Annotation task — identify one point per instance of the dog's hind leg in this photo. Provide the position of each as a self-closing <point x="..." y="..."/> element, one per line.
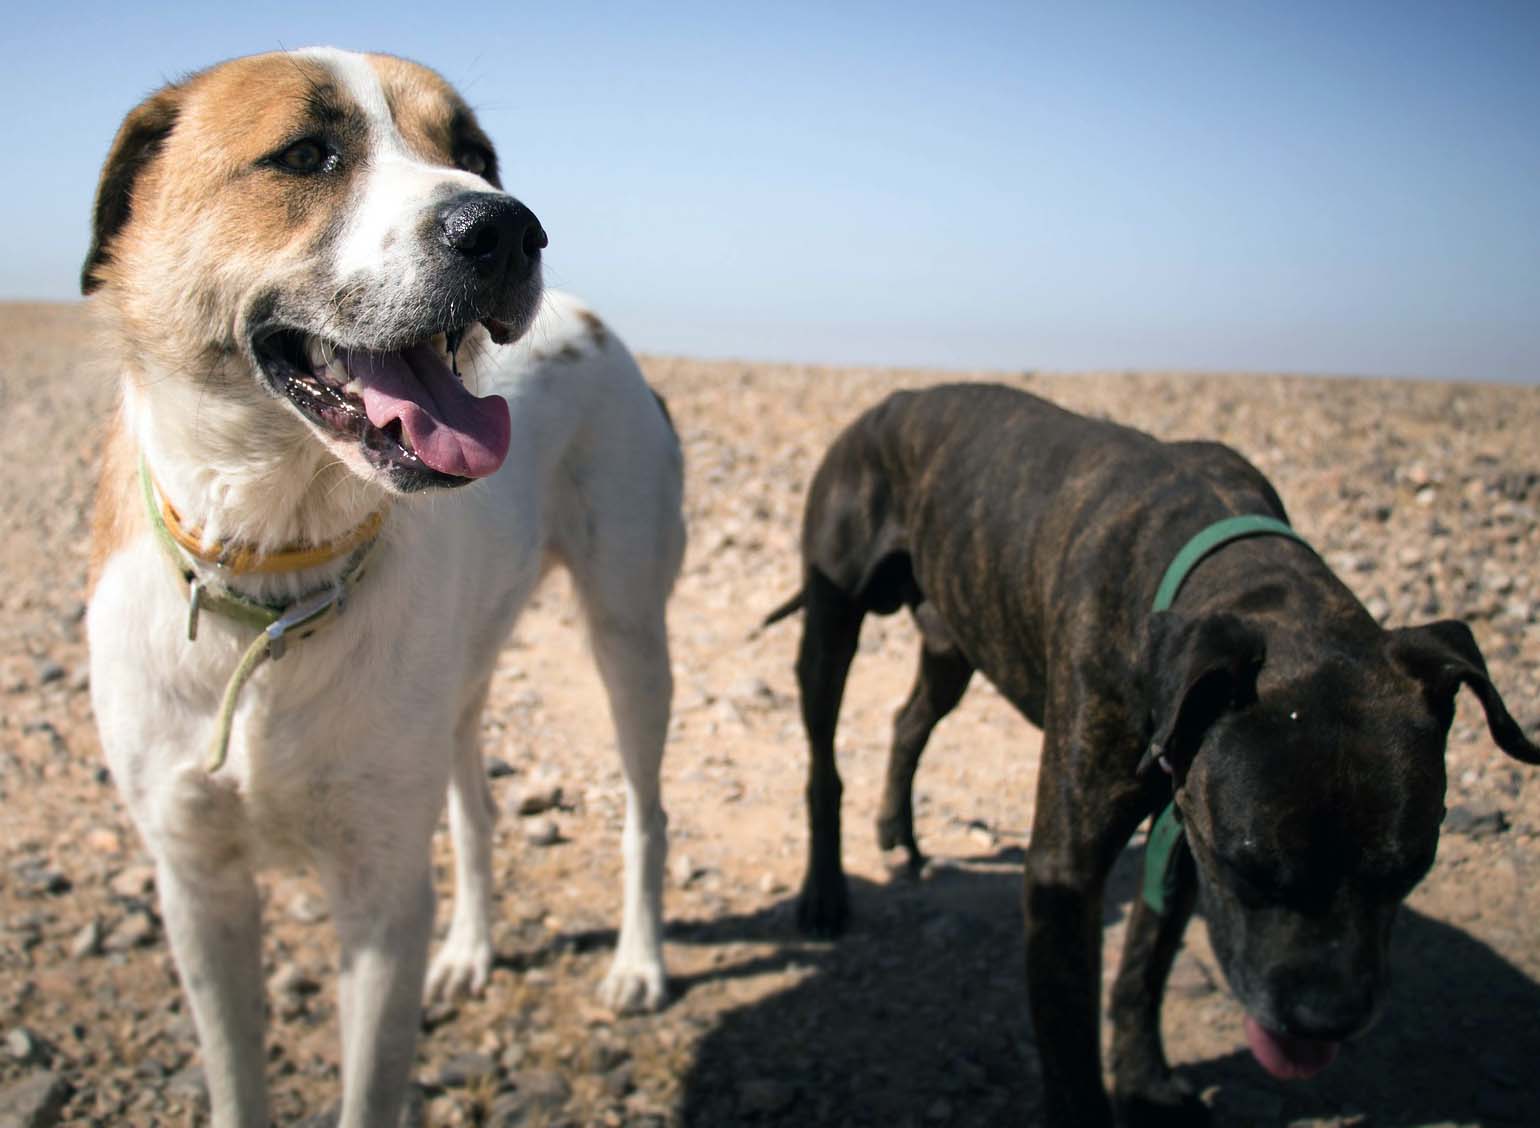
<point x="938" y="687"/>
<point x="464" y="962"/>
<point x="631" y="650"/>
<point x="831" y="627"/>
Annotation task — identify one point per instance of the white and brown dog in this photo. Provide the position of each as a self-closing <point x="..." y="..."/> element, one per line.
<point x="293" y="624"/>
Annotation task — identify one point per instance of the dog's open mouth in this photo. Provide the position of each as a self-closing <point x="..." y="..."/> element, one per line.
<point x="406" y="407"/>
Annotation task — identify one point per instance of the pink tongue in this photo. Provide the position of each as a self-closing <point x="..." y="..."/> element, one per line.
<point x="452" y="431"/>
<point x="1289" y="1059"/>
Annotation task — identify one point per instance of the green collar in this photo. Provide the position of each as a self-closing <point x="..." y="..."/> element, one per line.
<point x="1161" y="853"/>
<point x="277" y="624"/>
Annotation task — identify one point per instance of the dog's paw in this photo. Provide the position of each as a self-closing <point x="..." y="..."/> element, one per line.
<point x="823" y="909"/>
<point x="631" y="988"/>
<point x="461" y="968"/>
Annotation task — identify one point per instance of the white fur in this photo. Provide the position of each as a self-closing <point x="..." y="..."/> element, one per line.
<point x="344" y="748"/>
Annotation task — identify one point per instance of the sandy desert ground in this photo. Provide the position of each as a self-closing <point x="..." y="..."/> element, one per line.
<point x="1423" y="495"/>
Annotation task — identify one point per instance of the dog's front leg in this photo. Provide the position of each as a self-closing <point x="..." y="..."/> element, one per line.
<point x="383" y="907"/>
<point x="212" y="916"/>
<point x="1144" y="1089"/>
<point x="1082" y="820"/>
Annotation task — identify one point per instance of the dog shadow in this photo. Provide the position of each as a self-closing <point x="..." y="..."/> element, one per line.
<point x="917" y="1016"/>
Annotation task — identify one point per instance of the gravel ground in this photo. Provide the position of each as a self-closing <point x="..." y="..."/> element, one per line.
<point x="1422" y="495"/>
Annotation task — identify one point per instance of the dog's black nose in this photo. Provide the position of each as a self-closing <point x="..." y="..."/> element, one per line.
<point x="497" y="234"/>
<point x="1328" y="1012"/>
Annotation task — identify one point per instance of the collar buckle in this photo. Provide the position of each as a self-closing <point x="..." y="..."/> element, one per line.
<point x="301" y="614"/>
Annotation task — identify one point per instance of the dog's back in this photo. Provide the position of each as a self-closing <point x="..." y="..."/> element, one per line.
<point x="986" y="501"/>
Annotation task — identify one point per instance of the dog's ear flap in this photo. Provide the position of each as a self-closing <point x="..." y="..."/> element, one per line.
<point x="1196" y="669"/>
<point x="139" y="139"/>
<point x="1443" y="656"/>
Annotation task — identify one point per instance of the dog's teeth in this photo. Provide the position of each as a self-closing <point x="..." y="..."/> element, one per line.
<point x="316" y="352"/>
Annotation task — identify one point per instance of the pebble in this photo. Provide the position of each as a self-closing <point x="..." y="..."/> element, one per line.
<point x="134" y="882"/>
<point x="537" y="797"/>
<point x="1475" y="820"/>
<point x="20" y="1045"/>
<point x="34" y="1102"/>
<point x="537" y="1093"/>
<point x="683" y="870"/>
<point x="462" y="1071"/>
<point x="131" y="932"/>
<point x="308" y="908"/>
<point x="88" y="941"/>
<point x="542" y="832"/>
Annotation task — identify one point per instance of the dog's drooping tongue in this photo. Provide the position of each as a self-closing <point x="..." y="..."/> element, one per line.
<point x="451" y="430"/>
<point x="1288" y="1059"/>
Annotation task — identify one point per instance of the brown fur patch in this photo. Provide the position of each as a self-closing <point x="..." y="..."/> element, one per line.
<point x="119" y="515"/>
<point x="596" y="328"/>
<point x="210" y="182"/>
<point x="435" y="122"/>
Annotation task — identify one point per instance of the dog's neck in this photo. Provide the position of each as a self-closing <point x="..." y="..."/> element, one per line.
<point x="241" y="472"/>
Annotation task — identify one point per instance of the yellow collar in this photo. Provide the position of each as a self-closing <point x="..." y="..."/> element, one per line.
<point x="242" y="560"/>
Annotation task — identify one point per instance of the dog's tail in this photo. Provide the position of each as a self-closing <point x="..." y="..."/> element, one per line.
<point x="785" y="610"/>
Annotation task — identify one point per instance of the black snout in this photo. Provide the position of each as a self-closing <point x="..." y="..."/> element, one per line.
<point x="1329" y="1010"/>
<point x="499" y="236"/>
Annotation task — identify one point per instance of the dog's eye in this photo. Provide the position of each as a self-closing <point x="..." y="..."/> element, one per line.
<point x="473" y="159"/>
<point x="305" y="156"/>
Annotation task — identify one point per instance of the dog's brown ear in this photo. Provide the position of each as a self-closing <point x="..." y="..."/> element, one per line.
<point x="1196" y="669"/>
<point x="139" y="139"/>
<point x="1443" y="656"/>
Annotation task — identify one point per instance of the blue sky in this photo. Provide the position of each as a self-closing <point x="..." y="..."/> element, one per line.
<point x="1335" y="187"/>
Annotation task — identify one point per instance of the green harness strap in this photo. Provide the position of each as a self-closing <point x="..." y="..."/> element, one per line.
<point x="1161" y="853"/>
<point x="276" y="625"/>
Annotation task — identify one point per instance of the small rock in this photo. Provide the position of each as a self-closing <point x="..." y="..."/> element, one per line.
<point x="601" y="1056"/>
<point x="133" y="931"/>
<point x="463" y="1070"/>
<point x="751" y="693"/>
<point x="527" y="699"/>
<point x="290" y="979"/>
<point x="684" y="870"/>
<point x="1475" y="820"/>
<point x="134" y="882"/>
<point x="88" y="941"/>
<point x="769" y="883"/>
<point x="21" y="1046"/>
<point x="35" y="1102"/>
<point x="538" y="797"/>
<point x="542" y="832"/>
<point x="537" y="1094"/>
<point x="619" y="1082"/>
<point x="307" y="908"/>
<point x="498" y="768"/>
<point x="49" y="671"/>
<point x="104" y="840"/>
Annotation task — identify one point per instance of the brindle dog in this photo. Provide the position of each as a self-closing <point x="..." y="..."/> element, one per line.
<point x="1304" y="743"/>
